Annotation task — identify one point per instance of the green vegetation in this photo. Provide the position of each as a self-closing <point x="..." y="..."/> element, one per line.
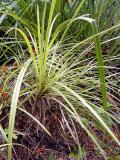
<point x="66" y="52"/>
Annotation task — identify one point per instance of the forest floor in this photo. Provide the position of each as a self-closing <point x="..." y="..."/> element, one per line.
<point x="35" y="144"/>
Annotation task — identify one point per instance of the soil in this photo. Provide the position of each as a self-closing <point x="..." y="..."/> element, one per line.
<point x="35" y="144"/>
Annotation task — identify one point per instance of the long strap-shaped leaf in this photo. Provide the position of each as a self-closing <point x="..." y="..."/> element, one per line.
<point x="82" y="100"/>
<point x="75" y="115"/>
<point x="100" y="65"/>
<point x="14" y="106"/>
<point x="98" y="55"/>
<point x="99" y="59"/>
<point x="51" y="13"/>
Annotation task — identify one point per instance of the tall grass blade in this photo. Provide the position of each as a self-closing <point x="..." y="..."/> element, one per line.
<point x="99" y="57"/>
<point x="85" y="104"/>
<point x="14" y="106"/>
<point x="99" y="60"/>
<point x="75" y="115"/>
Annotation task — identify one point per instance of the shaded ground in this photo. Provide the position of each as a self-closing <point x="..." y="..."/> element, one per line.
<point x="35" y="144"/>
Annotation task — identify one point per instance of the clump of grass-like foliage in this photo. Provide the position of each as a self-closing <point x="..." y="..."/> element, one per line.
<point x="53" y="60"/>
